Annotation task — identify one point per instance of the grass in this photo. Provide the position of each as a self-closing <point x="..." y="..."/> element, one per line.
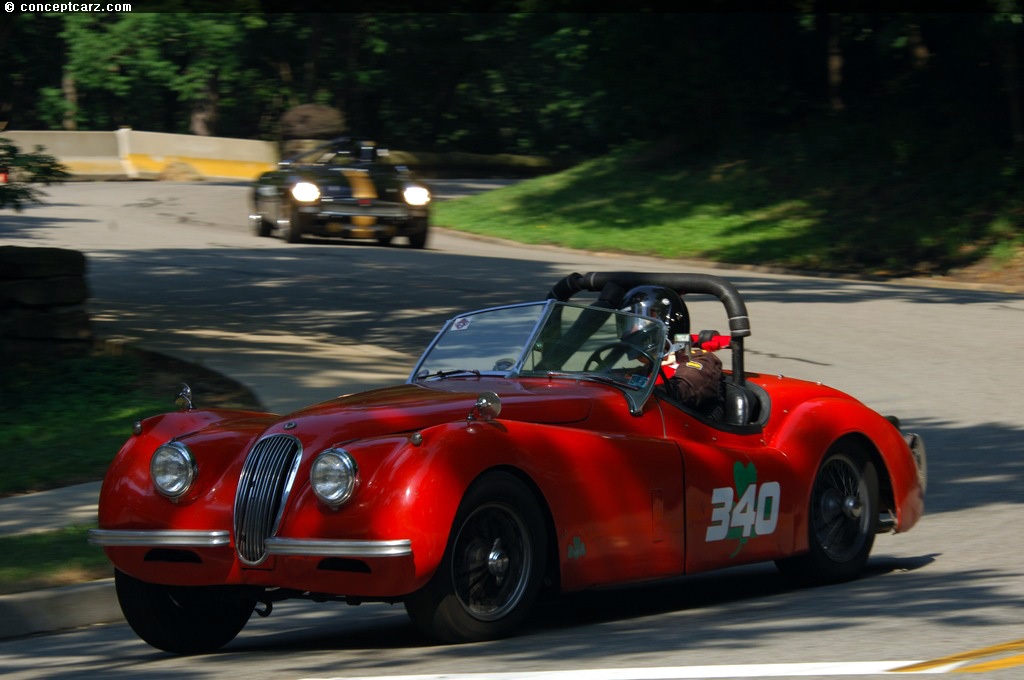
<point x="67" y="417"/>
<point x="810" y="201"/>
<point x="66" y="410"/>
<point x="48" y="559"/>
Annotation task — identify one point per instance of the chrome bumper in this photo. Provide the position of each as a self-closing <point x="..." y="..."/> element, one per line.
<point x="191" y="539"/>
<point x="917" y="450"/>
<point x="275" y="546"/>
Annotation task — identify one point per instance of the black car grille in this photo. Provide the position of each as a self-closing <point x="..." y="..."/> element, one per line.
<point x="262" y="491"/>
<point x="334" y="191"/>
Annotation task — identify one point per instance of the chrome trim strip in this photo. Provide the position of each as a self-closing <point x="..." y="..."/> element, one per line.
<point x="339" y="548"/>
<point x="368" y="211"/>
<point x="163" y="538"/>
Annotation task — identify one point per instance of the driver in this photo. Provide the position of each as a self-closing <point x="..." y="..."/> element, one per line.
<point x="694" y="374"/>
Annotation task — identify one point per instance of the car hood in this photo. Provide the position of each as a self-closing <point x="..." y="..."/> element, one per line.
<point x="414" y="406"/>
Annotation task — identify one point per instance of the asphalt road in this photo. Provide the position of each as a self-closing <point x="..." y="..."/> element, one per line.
<point x="173" y="267"/>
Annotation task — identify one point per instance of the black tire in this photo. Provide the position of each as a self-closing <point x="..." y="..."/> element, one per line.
<point x="263" y="228"/>
<point x="296" y="226"/>
<point x="492" y="568"/>
<point x="842" y="519"/>
<point x="184" y="620"/>
<point x="384" y="240"/>
<point x="418" y="233"/>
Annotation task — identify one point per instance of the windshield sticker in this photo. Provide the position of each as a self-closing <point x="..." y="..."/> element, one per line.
<point x="461" y="324"/>
<point x="755" y="513"/>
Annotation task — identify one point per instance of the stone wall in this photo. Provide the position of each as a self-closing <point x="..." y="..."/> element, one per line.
<point x="42" y="294"/>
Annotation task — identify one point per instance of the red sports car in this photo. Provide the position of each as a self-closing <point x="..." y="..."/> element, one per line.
<point x="535" y="447"/>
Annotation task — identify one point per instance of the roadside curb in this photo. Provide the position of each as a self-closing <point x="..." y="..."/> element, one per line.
<point x="54" y="609"/>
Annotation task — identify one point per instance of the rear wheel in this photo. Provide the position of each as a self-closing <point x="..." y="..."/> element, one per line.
<point x="843" y="519"/>
<point x="492" y="568"/>
<point x="184" y="619"/>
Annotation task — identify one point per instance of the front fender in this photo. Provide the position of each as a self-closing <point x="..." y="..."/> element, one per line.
<point x="128" y="499"/>
<point x="614" y="502"/>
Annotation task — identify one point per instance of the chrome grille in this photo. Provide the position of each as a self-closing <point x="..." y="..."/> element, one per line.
<point x="263" y="488"/>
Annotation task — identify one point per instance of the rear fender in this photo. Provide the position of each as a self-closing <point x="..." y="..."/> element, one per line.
<point x="813" y="426"/>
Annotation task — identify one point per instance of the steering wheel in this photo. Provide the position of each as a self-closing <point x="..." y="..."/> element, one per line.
<point x="606" y="355"/>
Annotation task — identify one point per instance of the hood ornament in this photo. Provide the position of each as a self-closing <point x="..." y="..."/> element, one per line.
<point x="184" y="398"/>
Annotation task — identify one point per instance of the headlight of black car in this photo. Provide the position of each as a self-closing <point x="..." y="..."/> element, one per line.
<point x="173" y="469"/>
<point x="416" y="195"/>
<point x="334" y="476"/>
<point x="305" y="192"/>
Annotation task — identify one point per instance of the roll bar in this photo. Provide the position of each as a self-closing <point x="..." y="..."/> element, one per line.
<point x="735" y="307"/>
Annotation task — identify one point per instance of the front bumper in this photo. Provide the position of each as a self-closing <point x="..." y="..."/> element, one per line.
<point x="920" y="456"/>
<point x="363" y="568"/>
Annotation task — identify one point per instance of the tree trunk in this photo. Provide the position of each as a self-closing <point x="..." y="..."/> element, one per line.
<point x="67" y="84"/>
<point x="1013" y="91"/>
<point x="204" y="110"/>
<point x="835" y="65"/>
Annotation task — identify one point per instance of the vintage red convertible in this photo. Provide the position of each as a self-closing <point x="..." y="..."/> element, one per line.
<point x="535" y="447"/>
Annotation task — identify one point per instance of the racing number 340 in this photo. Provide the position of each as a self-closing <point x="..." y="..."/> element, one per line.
<point x="756" y="513"/>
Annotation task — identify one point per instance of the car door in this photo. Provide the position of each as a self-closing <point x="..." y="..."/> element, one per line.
<point x="740" y="495"/>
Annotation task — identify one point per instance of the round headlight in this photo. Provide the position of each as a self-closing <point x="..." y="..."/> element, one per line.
<point x="173" y="469"/>
<point x="334" y="476"/>
<point x="416" y="195"/>
<point x="306" y="192"/>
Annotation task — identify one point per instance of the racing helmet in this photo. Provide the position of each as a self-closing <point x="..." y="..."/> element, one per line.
<point x="658" y="302"/>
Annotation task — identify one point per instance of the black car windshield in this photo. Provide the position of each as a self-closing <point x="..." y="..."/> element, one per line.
<point x="325" y="156"/>
<point x="552" y="339"/>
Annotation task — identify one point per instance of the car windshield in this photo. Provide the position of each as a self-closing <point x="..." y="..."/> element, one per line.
<point x="552" y="339"/>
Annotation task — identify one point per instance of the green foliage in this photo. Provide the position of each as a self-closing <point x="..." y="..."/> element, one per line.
<point x="531" y="81"/>
<point x="48" y="403"/>
<point x="814" y="199"/>
<point x="23" y="170"/>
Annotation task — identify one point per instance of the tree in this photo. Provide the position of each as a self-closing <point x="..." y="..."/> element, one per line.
<point x="154" y="71"/>
<point x="18" y="171"/>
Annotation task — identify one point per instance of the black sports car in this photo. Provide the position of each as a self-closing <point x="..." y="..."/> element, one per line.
<point x="341" y="189"/>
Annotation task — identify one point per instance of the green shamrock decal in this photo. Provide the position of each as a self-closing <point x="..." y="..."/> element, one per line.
<point x="576" y="549"/>
<point x="745" y="476"/>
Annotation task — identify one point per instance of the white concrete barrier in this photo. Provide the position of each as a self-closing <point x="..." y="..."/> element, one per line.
<point x="132" y="154"/>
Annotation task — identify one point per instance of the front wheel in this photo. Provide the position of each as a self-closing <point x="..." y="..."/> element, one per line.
<point x="418" y="233"/>
<point x="843" y="519"/>
<point x="296" y="225"/>
<point x="183" y="619"/>
<point x="492" y="568"/>
<point x="261" y="227"/>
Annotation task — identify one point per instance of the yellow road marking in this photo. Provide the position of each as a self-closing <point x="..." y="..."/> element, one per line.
<point x="996" y="665"/>
<point x="972" y="655"/>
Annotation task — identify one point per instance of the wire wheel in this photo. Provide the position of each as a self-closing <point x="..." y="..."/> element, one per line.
<point x="491" y="562"/>
<point x="843" y="519"/>
<point x="841" y="505"/>
<point x="492" y="568"/>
